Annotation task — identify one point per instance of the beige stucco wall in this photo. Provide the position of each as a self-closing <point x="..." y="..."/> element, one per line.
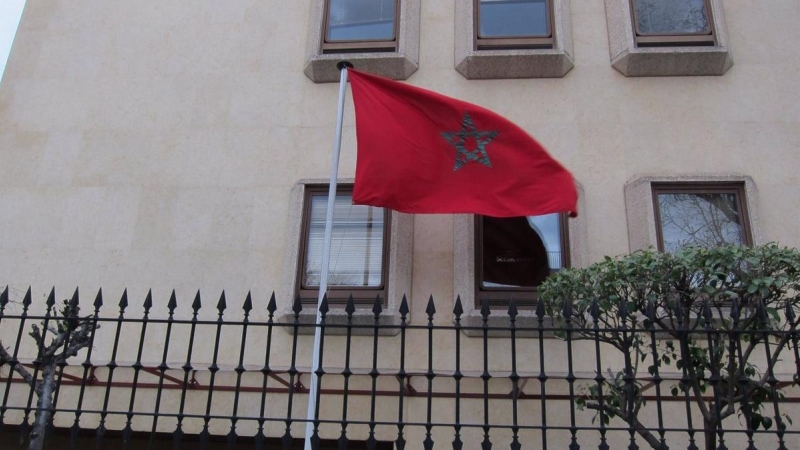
<point x="155" y="144"/>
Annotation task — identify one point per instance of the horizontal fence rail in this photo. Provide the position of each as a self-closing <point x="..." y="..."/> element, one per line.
<point x="225" y="377"/>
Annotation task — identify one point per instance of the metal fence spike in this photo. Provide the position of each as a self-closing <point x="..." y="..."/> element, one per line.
<point x="4" y="297"/>
<point x="458" y="310"/>
<point x="272" y="305"/>
<point x="51" y="299"/>
<point x="297" y="307"/>
<point x="485" y="309"/>
<point x="123" y="301"/>
<point x="248" y="304"/>
<point x="173" y="302"/>
<point x="540" y="311"/>
<point x="404" y="308"/>
<point x="323" y="307"/>
<point x="197" y="304"/>
<point x="75" y="300"/>
<point x="512" y="309"/>
<point x="430" y="310"/>
<point x="148" y="301"/>
<point x="377" y="306"/>
<point x="98" y="300"/>
<point x="735" y="314"/>
<point x="222" y="304"/>
<point x="26" y="301"/>
<point x="350" y="308"/>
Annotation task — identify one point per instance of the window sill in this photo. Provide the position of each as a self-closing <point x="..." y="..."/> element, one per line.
<point x="336" y="322"/>
<point x="522" y="63"/>
<point x="633" y="61"/>
<point x="321" y="68"/>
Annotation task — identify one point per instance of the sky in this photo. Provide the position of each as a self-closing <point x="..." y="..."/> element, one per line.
<point x="10" y="12"/>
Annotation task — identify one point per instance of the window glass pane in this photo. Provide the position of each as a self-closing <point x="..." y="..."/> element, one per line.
<point x="356" y="247"/>
<point x="707" y="220"/>
<point x="671" y="16"/>
<point x="361" y="20"/>
<point x="513" y="18"/>
<point x="520" y="251"/>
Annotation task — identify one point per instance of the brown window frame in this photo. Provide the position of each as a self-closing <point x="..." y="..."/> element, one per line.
<point x="709" y="187"/>
<point x="674" y="39"/>
<point x="516" y="42"/>
<point x="338" y="295"/>
<point x="523" y="297"/>
<point x="359" y="46"/>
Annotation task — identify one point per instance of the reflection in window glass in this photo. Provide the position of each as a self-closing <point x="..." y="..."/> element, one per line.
<point x="361" y="20"/>
<point x="671" y="16"/>
<point x="356" y="247"/>
<point x="520" y="251"/>
<point x="707" y="220"/>
<point x="513" y="18"/>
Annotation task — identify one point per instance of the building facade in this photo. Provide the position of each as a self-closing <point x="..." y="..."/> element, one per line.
<point x="163" y="145"/>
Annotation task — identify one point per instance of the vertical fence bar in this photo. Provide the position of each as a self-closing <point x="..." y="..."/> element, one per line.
<point x="346" y="373"/>
<point x="599" y="378"/>
<point x="137" y="368"/>
<point x="430" y="311"/>
<point x="247" y="307"/>
<point x="12" y="363"/>
<point x="573" y="429"/>
<point x="458" y="310"/>
<point x="772" y="381"/>
<point x="514" y="377"/>
<point x="485" y="376"/>
<point x="400" y="442"/>
<point x="87" y="364"/>
<point x="101" y="428"/>
<point x="374" y="374"/>
<point x="629" y="376"/>
<point x="177" y="435"/>
<point x="163" y="367"/>
<point x="61" y="363"/>
<point x="542" y="377"/>
<point x="214" y="368"/>
<point x="715" y="378"/>
<point x="657" y="379"/>
<point x="266" y="372"/>
<point x="51" y="301"/>
<point x="319" y="372"/>
<point x="287" y="435"/>
<point x="685" y="384"/>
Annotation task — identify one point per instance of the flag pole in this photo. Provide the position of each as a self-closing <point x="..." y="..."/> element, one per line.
<point x="311" y="413"/>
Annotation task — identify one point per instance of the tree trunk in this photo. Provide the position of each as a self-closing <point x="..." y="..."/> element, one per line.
<point x="710" y="433"/>
<point x="43" y="407"/>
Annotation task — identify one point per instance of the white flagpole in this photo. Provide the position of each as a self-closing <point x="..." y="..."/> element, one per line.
<point x="326" y="254"/>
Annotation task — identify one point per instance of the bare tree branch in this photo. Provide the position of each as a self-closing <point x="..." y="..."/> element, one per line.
<point x="5" y="358"/>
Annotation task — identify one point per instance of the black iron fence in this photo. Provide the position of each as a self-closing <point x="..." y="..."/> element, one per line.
<point x="223" y="377"/>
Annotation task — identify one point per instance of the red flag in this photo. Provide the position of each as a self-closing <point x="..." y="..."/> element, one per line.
<point x="423" y="152"/>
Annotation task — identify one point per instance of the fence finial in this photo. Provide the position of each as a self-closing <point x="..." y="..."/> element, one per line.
<point x="323" y="307"/>
<point x="123" y="301"/>
<point x="148" y="301"/>
<point x="377" y="306"/>
<point x="173" y="302"/>
<point x="297" y="307"/>
<point x="248" y="304"/>
<point x="196" y="304"/>
<point x="51" y="299"/>
<point x="430" y="310"/>
<point x="404" y="308"/>
<point x="222" y="304"/>
<point x="4" y="298"/>
<point x="350" y="308"/>
<point x="458" y="310"/>
<point x="98" y="300"/>
<point x="272" y="305"/>
<point x="512" y="309"/>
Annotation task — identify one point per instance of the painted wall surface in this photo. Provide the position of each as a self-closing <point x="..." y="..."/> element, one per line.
<point x="155" y="144"/>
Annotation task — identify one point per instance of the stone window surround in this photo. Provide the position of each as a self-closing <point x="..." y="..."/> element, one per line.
<point x="321" y="67"/>
<point x="518" y="63"/>
<point x="464" y="271"/>
<point x="633" y="61"/>
<point x="640" y="212"/>
<point x="398" y="279"/>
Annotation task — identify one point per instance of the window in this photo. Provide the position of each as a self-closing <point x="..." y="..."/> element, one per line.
<point x="515" y="255"/>
<point x="658" y="38"/>
<point x="513" y="24"/>
<point x="360" y="25"/>
<point x="705" y="214"/>
<point x="359" y="248"/>
<point x="659" y="23"/>
<point x="378" y="36"/>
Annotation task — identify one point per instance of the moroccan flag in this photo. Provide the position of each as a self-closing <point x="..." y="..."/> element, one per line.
<point x="423" y="152"/>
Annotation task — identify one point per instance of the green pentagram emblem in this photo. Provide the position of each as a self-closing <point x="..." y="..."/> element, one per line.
<point x="459" y="140"/>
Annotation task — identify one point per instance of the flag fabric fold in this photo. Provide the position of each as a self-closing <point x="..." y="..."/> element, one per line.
<point x="423" y="152"/>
